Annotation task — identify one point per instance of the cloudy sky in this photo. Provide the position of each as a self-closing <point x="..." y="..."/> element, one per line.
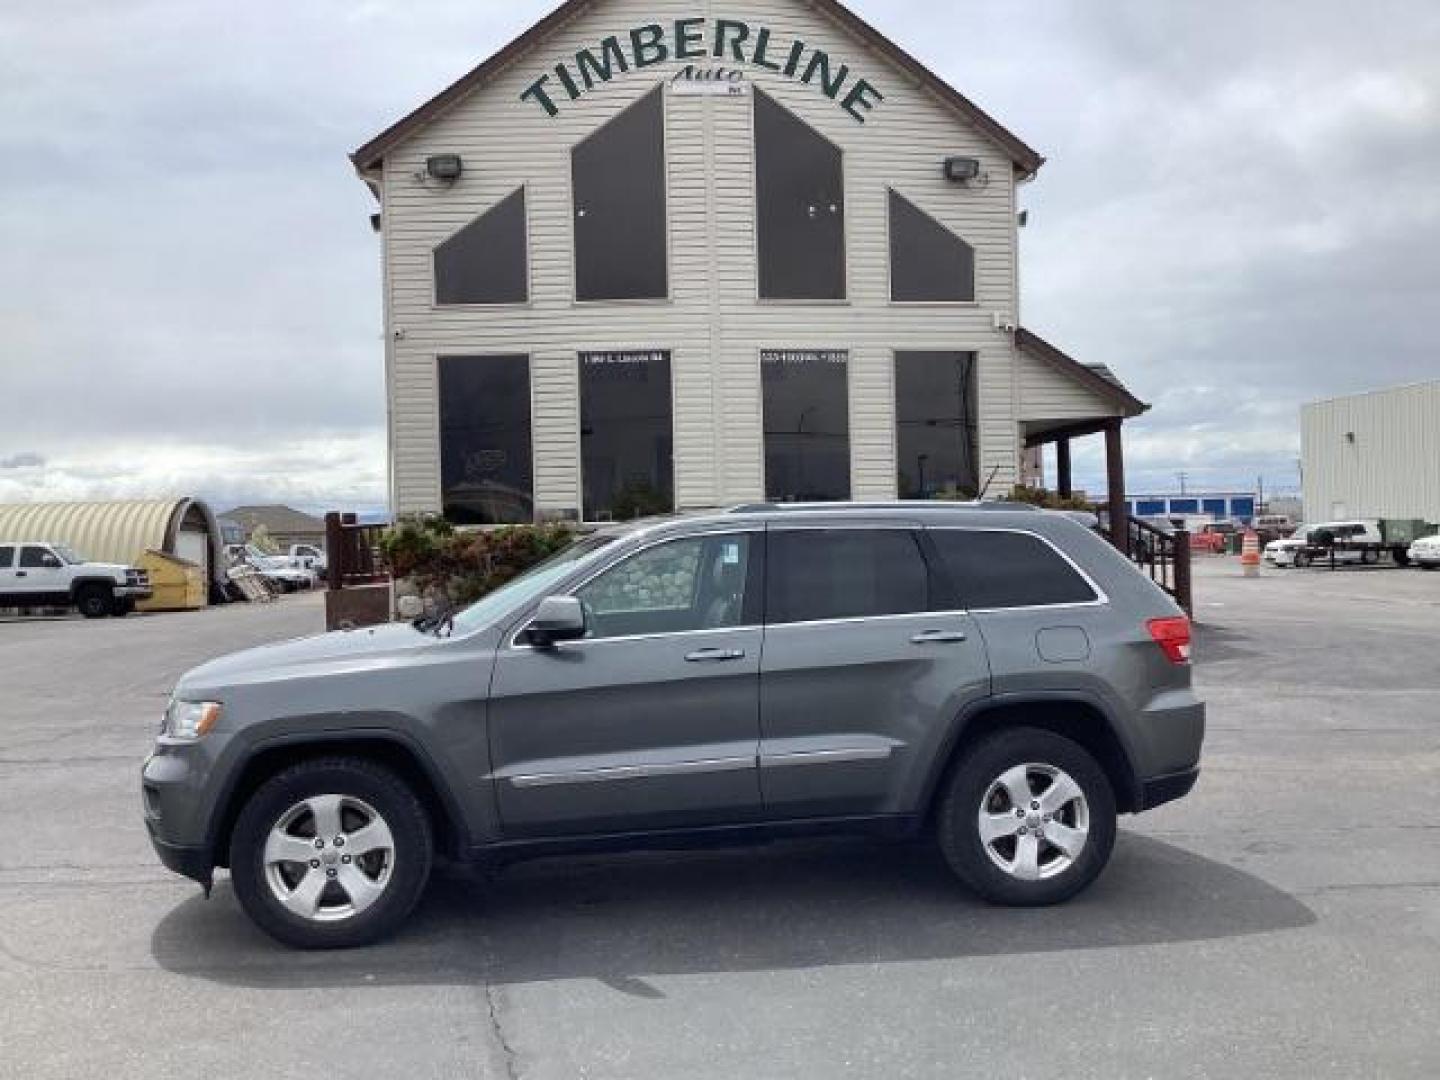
<point x="1239" y="214"/>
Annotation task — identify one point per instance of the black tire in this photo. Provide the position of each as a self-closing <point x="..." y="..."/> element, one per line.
<point x="1369" y="558"/>
<point x="970" y="784"/>
<point x="352" y="778"/>
<point x="121" y="606"/>
<point x="1302" y="560"/>
<point x="93" y="601"/>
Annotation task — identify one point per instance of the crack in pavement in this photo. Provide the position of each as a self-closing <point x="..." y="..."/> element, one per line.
<point x="507" y="1052"/>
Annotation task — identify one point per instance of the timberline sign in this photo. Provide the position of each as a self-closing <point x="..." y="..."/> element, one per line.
<point x="688" y="40"/>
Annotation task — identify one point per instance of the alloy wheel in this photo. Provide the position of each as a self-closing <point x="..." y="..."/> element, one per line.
<point x="1034" y="821"/>
<point x="329" y="857"/>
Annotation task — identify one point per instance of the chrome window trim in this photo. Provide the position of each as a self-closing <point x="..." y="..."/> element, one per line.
<point x="699" y="533"/>
<point x="866" y="619"/>
<point x="836" y="756"/>
<point x="1102" y="598"/>
<point x="632" y="772"/>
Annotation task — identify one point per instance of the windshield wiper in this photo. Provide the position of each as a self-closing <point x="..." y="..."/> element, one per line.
<point x="441" y="624"/>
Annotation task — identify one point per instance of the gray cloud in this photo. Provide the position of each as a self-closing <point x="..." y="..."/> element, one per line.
<point x="1238" y="216"/>
<point x="23" y="460"/>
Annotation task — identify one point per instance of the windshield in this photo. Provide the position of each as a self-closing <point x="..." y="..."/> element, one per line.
<point x="529" y="586"/>
<point x="66" y="554"/>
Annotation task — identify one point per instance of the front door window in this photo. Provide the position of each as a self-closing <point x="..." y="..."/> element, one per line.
<point x="683" y="586"/>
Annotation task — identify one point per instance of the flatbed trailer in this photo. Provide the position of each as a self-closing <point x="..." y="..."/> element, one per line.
<point x="1371" y="553"/>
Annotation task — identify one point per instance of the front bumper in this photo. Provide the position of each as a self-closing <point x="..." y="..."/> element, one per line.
<point x="177" y="799"/>
<point x="192" y="862"/>
<point x="134" y="592"/>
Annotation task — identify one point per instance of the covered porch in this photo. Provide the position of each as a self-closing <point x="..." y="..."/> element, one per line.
<point x="1062" y="400"/>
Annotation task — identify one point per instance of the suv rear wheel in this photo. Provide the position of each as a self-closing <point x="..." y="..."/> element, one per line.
<point x="1028" y="819"/>
<point x="331" y="853"/>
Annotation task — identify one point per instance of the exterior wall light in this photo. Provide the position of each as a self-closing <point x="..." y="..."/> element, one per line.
<point x="962" y="170"/>
<point x="445" y="168"/>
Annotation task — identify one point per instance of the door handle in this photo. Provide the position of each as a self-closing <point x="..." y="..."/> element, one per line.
<point x="714" y="656"/>
<point x="20" y="573"/>
<point x="938" y="637"/>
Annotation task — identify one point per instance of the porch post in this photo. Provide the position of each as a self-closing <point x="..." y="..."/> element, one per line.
<point x="1115" y="482"/>
<point x="1063" y="482"/>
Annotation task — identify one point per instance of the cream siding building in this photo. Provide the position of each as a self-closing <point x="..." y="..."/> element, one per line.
<point x="1373" y="455"/>
<point x="526" y="154"/>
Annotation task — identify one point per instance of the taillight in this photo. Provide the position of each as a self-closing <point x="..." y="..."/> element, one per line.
<point x="1173" y="637"/>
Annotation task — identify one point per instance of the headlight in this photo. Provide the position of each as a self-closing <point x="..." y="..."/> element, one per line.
<point x="190" y="719"/>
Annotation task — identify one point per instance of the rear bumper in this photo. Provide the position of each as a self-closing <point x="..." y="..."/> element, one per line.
<point x="1159" y="790"/>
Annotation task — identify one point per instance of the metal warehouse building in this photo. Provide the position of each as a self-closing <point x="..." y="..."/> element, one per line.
<point x="690" y="253"/>
<point x="1373" y="455"/>
<point x="121" y="532"/>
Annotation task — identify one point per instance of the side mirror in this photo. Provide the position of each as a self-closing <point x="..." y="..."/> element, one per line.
<point x="559" y="618"/>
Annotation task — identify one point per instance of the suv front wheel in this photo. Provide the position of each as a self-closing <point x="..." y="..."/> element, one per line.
<point x="1028" y="819"/>
<point x="331" y="853"/>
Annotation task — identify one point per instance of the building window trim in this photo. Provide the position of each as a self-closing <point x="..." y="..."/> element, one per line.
<point x="973" y="302"/>
<point x="578" y="368"/>
<point x="669" y="297"/>
<point x="850" y="353"/>
<point x="487" y="305"/>
<point x="975" y="354"/>
<point x="460" y="353"/>
<point x="846" y="225"/>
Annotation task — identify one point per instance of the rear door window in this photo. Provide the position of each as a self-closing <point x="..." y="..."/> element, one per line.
<point x="815" y="574"/>
<point x="7" y="557"/>
<point x="994" y="569"/>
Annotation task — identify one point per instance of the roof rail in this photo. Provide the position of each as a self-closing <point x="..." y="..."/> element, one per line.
<point x="900" y="504"/>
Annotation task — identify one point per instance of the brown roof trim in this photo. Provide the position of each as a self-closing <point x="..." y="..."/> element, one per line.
<point x="1027" y="161"/>
<point x="1067" y="365"/>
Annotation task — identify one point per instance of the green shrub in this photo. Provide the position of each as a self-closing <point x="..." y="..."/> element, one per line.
<point x="1048" y="499"/>
<point x="457" y="568"/>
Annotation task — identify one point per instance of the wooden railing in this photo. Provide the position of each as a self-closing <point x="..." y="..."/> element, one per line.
<point x="352" y="551"/>
<point x="1165" y="557"/>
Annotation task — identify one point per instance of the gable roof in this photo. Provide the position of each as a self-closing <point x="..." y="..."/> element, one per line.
<point x="1026" y="160"/>
<point x="1095" y="377"/>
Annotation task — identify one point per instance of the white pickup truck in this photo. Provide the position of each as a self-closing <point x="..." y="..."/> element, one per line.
<point x="46" y="574"/>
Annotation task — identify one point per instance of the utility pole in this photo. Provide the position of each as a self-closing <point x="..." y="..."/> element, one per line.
<point x="1183" y="477"/>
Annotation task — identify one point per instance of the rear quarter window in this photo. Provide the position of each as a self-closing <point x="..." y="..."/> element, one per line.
<point x="7" y="557"/>
<point x="1008" y="570"/>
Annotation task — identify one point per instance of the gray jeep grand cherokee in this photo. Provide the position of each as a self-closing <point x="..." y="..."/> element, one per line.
<point x="994" y="673"/>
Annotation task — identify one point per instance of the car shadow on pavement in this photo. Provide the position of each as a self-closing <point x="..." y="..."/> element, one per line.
<point x="799" y="904"/>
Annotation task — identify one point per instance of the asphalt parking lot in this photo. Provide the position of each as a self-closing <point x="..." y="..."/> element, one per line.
<point x="1282" y="922"/>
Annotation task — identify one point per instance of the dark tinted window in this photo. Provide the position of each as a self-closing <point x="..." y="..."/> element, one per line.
<point x="7" y="556"/>
<point x="31" y="557"/>
<point x="1007" y="570"/>
<point x="935" y="435"/>
<point x="626" y="441"/>
<point x="618" y="175"/>
<point x="692" y="584"/>
<point x="799" y="207"/>
<point x="807" y="425"/>
<point x="484" y="263"/>
<point x="485" y="448"/>
<point x="821" y="574"/>
<point x="927" y="260"/>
